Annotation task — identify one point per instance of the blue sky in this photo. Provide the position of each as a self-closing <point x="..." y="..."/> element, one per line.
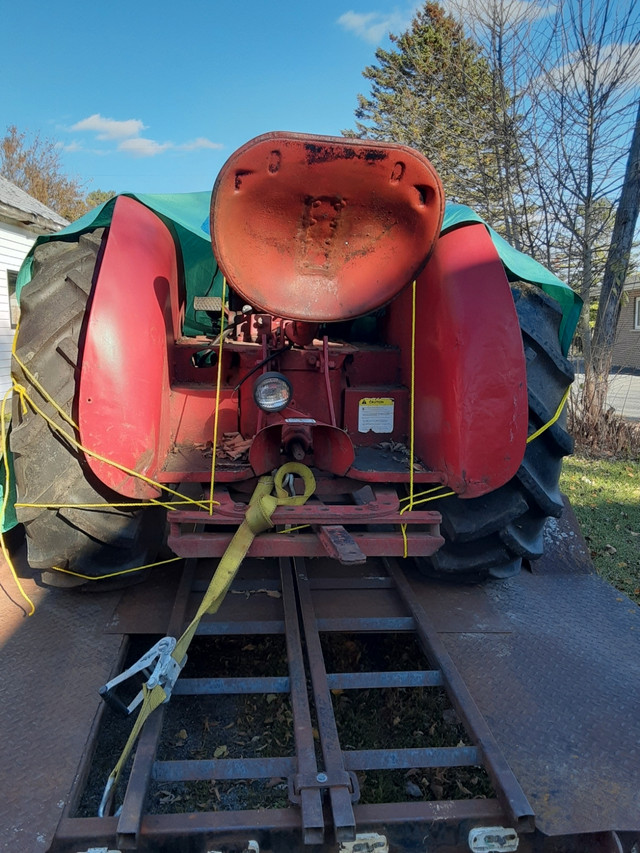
<point x="152" y="96"/>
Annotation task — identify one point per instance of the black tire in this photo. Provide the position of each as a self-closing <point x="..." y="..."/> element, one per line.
<point x="49" y="469"/>
<point x="491" y="535"/>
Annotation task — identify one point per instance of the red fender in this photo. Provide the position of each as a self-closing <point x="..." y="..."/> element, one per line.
<point x="471" y="410"/>
<point x="124" y="387"/>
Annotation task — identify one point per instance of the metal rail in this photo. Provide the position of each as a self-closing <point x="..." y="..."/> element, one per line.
<point x="323" y="791"/>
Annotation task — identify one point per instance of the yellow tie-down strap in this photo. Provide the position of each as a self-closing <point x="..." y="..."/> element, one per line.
<point x="269" y="494"/>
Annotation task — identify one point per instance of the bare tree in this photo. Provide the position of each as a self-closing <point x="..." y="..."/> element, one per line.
<point x="506" y="30"/>
<point x="583" y="118"/>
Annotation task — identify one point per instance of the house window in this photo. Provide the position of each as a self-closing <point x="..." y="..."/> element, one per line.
<point x="636" y="314"/>
<point x="14" y="308"/>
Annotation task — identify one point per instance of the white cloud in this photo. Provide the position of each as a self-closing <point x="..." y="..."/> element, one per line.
<point x="109" y="128"/>
<point x="617" y="61"/>
<point x="198" y="143"/>
<point x="126" y="135"/>
<point x="141" y="147"/>
<point x="374" y="26"/>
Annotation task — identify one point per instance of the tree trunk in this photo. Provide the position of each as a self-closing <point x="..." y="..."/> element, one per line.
<point x="615" y="272"/>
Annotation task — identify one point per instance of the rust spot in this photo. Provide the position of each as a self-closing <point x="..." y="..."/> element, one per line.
<point x="275" y="159"/>
<point x="319" y="224"/>
<point x="328" y="153"/>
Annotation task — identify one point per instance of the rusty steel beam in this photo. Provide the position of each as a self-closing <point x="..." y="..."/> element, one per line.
<point x="323" y="793"/>
<point x="372" y="544"/>
<point x="505" y="783"/>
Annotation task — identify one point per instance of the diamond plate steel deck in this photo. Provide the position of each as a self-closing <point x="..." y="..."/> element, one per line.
<point x="561" y="694"/>
<point x="51" y="666"/>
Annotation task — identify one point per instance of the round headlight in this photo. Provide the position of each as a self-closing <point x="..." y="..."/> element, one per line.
<point x="272" y="392"/>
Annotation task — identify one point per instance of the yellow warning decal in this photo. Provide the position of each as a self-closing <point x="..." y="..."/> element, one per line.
<point x="375" y="414"/>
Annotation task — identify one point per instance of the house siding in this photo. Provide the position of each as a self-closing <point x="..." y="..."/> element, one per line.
<point x="626" y="349"/>
<point x="14" y="246"/>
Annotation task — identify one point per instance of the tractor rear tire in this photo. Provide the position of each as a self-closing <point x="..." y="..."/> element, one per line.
<point x="50" y="471"/>
<point x="491" y="535"/>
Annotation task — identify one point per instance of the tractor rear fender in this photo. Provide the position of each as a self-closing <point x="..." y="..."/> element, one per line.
<point x="133" y="317"/>
<point x="471" y="410"/>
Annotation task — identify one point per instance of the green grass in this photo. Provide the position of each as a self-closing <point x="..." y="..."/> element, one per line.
<point x="605" y="495"/>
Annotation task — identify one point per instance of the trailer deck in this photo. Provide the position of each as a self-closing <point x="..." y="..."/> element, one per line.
<point x="543" y="669"/>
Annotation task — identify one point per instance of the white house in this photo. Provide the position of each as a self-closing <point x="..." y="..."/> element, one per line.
<point x="22" y="219"/>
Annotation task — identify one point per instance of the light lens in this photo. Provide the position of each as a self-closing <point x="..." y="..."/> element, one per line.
<point x="272" y="392"/>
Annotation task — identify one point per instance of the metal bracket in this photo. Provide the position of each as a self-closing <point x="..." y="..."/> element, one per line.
<point x="340" y="544"/>
<point x="493" y="839"/>
<point x="342" y="779"/>
<point x="165" y="672"/>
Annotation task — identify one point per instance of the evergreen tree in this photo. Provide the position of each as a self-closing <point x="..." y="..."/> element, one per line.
<point x="435" y="91"/>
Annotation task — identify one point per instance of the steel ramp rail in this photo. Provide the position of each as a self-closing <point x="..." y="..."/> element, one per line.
<point x="323" y="786"/>
<point x="516" y="810"/>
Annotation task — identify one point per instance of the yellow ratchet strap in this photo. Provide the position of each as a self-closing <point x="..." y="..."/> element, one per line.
<point x="258" y="519"/>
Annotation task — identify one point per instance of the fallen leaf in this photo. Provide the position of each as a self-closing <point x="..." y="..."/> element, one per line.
<point x="436" y="790"/>
<point x="412" y="789"/>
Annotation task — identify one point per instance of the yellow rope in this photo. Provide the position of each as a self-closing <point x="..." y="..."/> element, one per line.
<point x="403" y="527"/>
<point x="419" y="499"/>
<point x="546" y="426"/>
<point x="5" y="501"/>
<point x="216" y="410"/>
<point x="421" y="494"/>
<point x="54" y="426"/>
<point x="124" y="505"/>
<point x="42" y="392"/>
<point x="26" y="399"/>
<point x="292" y="529"/>
<point x="116" y="574"/>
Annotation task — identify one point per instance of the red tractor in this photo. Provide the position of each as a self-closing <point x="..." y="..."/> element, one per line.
<point x="338" y="325"/>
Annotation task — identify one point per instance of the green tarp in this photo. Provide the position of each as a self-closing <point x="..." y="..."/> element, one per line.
<point x="187" y="217"/>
